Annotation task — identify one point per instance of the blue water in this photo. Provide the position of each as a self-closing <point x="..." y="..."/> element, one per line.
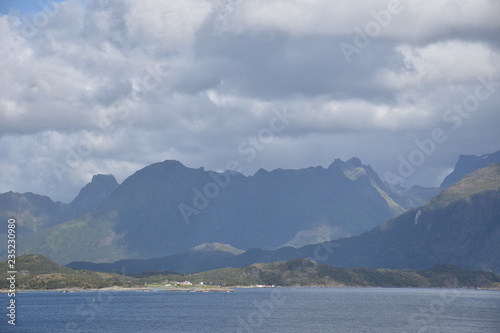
<point x="287" y="310"/>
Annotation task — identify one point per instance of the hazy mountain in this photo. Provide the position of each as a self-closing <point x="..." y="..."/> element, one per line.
<point x="92" y="195"/>
<point x="37" y="212"/>
<point x="33" y="212"/>
<point x="460" y="226"/>
<point x="199" y="258"/>
<point x="414" y="196"/>
<point x="417" y="196"/>
<point x="167" y="208"/>
<point x="467" y="164"/>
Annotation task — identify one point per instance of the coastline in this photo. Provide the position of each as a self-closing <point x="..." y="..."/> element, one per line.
<point x="117" y="288"/>
<point x="211" y="289"/>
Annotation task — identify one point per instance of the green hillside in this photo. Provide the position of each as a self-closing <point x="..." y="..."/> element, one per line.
<point x="304" y="272"/>
<point x="35" y="272"/>
<point x="487" y="178"/>
<point x="81" y="238"/>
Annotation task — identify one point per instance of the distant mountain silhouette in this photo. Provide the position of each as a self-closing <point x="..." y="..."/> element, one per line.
<point x="460" y="226"/>
<point x="37" y="212"/>
<point x="201" y="258"/>
<point x="92" y="195"/>
<point x="167" y="208"/>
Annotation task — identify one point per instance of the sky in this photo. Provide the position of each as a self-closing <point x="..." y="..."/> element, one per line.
<point x="108" y="87"/>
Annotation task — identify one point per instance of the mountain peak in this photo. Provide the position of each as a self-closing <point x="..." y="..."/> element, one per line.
<point x="468" y="163"/>
<point x="93" y="194"/>
<point x="158" y="169"/>
<point x="336" y="163"/>
<point x="172" y="163"/>
<point x="101" y="179"/>
<point x="354" y="162"/>
<point x="206" y="247"/>
<point x="352" y="169"/>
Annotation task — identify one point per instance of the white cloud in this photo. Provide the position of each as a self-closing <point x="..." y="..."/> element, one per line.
<point x="190" y="80"/>
<point x="169" y="25"/>
<point x="449" y="62"/>
<point x="412" y="20"/>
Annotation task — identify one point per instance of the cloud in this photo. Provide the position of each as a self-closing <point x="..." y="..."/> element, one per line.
<point x="410" y="21"/>
<point x="437" y="64"/>
<point x="126" y="83"/>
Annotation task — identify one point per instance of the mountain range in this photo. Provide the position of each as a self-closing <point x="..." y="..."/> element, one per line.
<point x="167" y="210"/>
<point x="460" y="226"/>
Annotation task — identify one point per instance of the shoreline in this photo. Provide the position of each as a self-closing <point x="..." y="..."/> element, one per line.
<point x="222" y="289"/>
<point x="118" y="288"/>
<point x="76" y="289"/>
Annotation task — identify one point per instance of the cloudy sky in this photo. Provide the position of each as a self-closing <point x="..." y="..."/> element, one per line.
<point x="104" y="86"/>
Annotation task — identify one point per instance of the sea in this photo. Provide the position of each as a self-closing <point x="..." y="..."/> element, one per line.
<point x="287" y="310"/>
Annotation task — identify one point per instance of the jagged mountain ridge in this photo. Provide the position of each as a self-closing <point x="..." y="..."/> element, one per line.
<point x="174" y="185"/>
<point x="143" y="219"/>
<point x="460" y="226"/>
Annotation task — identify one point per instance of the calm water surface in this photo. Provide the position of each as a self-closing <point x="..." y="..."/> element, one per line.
<point x="287" y="310"/>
